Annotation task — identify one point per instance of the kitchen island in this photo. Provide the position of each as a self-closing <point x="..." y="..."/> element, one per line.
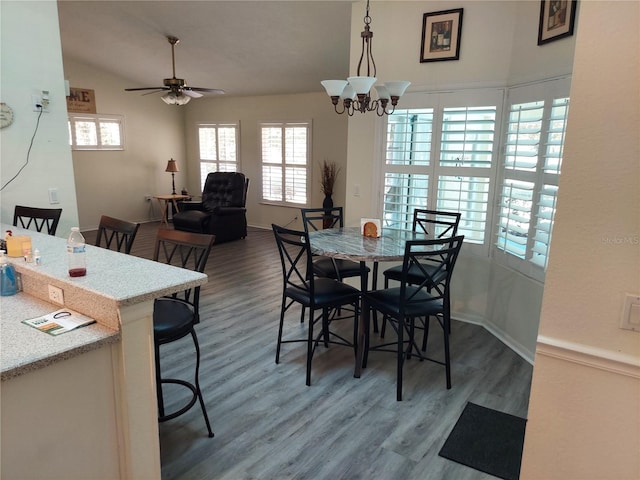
<point x="83" y="404"/>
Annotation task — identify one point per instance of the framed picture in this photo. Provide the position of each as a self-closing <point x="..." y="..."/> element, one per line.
<point x="557" y="18"/>
<point x="441" y="36"/>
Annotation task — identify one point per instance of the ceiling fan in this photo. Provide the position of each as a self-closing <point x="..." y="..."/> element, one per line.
<point x="178" y="91"/>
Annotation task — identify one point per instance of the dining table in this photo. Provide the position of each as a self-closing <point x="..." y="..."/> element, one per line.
<point x="349" y="243"/>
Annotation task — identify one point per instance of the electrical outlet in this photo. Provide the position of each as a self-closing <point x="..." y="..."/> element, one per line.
<point x="56" y="295"/>
<point x="147" y="198"/>
<point x="38" y="104"/>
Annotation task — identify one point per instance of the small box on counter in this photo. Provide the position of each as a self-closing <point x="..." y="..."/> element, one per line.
<point x="18" y="245"/>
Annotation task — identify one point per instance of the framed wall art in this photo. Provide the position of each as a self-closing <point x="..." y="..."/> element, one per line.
<point x="557" y="18"/>
<point x="441" y="33"/>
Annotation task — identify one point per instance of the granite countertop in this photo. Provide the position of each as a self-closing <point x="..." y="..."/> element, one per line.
<point x="43" y="349"/>
<point x="114" y="281"/>
<point x="124" y="278"/>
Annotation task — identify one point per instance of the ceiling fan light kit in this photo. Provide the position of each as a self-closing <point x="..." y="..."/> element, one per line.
<point x="178" y="92"/>
<point x="355" y="92"/>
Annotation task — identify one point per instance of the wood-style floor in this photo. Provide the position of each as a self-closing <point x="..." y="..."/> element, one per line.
<point x="269" y="425"/>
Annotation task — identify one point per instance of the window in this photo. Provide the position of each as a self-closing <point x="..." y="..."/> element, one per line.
<point x="533" y="147"/>
<point x="96" y="132"/>
<point x="285" y="150"/>
<point x="442" y="157"/>
<point x="218" y="148"/>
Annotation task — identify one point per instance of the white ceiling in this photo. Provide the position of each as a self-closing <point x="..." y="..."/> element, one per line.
<point x="243" y="47"/>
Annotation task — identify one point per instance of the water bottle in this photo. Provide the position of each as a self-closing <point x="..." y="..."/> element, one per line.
<point x="8" y="284"/>
<point x="76" y="251"/>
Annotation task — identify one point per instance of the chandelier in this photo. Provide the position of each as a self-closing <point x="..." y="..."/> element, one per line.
<point x="355" y="92"/>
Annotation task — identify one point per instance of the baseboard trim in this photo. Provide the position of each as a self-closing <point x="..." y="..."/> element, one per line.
<point x="518" y="348"/>
<point x="592" y="357"/>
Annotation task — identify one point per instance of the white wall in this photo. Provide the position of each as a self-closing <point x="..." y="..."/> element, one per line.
<point x="115" y="183"/>
<point x="498" y="48"/>
<point x="584" y="411"/>
<point x="31" y="62"/>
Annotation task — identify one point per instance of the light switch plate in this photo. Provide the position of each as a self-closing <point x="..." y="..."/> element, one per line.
<point x="631" y="312"/>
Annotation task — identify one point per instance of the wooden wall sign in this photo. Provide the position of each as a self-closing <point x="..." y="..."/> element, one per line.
<point x="81" y="100"/>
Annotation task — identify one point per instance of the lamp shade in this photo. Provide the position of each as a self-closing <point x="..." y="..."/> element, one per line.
<point x="334" y="88"/>
<point x="172" y="166"/>
<point x="396" y="88"/>
<point x="173" y="99"/>
<point x="362" y="84"/>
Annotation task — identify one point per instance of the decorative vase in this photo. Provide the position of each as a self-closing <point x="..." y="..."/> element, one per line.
<point x="327" y="204"/>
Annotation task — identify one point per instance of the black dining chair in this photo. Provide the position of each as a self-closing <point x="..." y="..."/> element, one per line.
<point x="301" y="286"/>
<point x="314" y="219"/>
<point x="434" y="224"/>
<point x="428" y="298"/>
<point x="39" y="218"/>
<point x="175" y="316"/>
<point x="116" y="234"/>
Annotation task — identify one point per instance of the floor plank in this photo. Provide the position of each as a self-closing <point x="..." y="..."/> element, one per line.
<point x="269" y="425"/>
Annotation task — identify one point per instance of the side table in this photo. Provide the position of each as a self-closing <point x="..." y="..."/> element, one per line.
<point x="165" y="201"/>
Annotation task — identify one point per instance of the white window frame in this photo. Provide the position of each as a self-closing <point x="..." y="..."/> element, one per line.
<point x="286" y="185"/>
<point x="533" y="216"/>
<point x="230" y="162"/>
<point x="439" y="101"/>
<point x="97" y="120"/>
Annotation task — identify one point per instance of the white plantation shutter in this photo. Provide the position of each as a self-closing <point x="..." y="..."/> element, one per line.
<point x="466" y="167"/>
<point x="218" y="145"/>
<point x="532" y="164"/>
<point x="285" y="162"/>
<point x="441" y="157"/>
<point x="96" y="132"/>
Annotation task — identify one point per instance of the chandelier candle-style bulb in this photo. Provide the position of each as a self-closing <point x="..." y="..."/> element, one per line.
<point x="355" y="92"/>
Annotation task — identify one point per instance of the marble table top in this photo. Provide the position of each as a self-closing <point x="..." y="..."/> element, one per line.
<point x="349" y="244"/>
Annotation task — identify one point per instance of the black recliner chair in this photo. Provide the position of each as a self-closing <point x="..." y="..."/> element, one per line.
<point x="222" y="210"/>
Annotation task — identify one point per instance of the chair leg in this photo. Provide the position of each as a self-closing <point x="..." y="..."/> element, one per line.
<point x="280" y="328"/>
<point x="325" y="326"/>
<point x="310" y="347"/>
<point x="425" y="335"/>
<point x="400" y="359"/>
<point x="197" y="383"/>
<point x="447" y="360"/>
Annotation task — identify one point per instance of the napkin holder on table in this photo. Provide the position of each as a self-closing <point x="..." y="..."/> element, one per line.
<point x="370" y="227"/>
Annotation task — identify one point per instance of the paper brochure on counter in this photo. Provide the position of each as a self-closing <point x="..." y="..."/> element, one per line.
<point x="370" y="227"/>
<point x="58" y="322"/>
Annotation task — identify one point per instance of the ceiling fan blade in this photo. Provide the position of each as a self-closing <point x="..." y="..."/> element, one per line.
<point x="208" y="90"/>
<point x="155" y="91"/>
<point x="144" y="88"/>
<point x="190" y="93"/>
<point x="176" y="85"/>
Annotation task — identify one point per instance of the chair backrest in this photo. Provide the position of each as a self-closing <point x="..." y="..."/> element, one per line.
<point x="315" y="219"/>
<point x="117" y="234"/>
<point x="436" y="223"/>
<point x="185" y="250"/>
<point x="38" y="217"/>
<point x="295" y="256"/>
<point x="225" y="189"/>
<point x="434" y="259"/>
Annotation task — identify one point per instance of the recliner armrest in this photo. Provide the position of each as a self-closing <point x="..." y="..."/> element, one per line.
<point x="190" y="205"/>
<point x="227" y="211"/>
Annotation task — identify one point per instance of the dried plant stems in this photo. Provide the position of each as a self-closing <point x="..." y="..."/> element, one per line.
<point x="329" y="175"/>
